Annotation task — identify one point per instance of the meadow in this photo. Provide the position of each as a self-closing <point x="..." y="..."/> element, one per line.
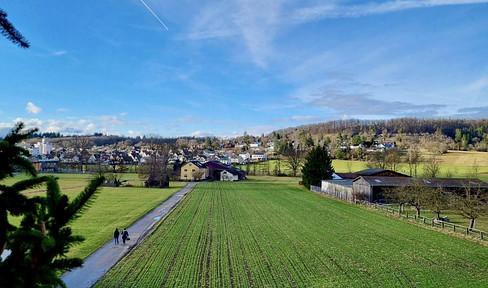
<point x="266" y="232"/>
<point x="457" y="164"/>
<point x="113" y="207"/>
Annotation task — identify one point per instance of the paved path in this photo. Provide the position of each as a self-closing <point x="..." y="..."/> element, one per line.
<point x="98" y="263"/>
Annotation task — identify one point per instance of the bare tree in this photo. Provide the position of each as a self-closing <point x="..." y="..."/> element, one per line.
<point x="413" y="160"/>
<point x="437" y="200"/>
<point x="417" y="194"/>
<point x="81" y="144"/>
<point x="473" y="203"/>
<point x="392" y="159"/>
<point x="277" y="167"/>
<point x="293" y="159"/>
<point x="432" y="167"/>
<point x="155" y="169"/>
<point x="398" y="195"/>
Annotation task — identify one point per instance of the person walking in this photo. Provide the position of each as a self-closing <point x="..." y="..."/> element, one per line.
<point x="125" y="235"/>
<point x="116" y="235"/>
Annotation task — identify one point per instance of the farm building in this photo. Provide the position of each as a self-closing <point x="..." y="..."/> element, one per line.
<point x="373" y="187"/>
<point x="371" y="184"/>
<point x="371" y="172"/>
<point x="215" y="168"/>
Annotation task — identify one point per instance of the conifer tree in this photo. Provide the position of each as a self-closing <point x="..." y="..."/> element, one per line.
<point x="317" y="167"/>
<point x="38" y="246"/>
<point x="8" y="30"/>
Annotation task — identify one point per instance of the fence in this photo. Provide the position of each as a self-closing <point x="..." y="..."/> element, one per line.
<point x="433" y="222"/>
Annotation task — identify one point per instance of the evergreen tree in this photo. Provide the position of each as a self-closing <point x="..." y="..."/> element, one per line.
<point x="317" y="167"/>
<point x="40" y="243"/>
<point x="8" y="30"/>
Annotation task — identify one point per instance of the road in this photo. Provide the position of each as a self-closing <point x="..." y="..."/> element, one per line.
<point x="98" y="263"/>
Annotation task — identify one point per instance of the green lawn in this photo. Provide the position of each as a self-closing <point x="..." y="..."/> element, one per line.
<point x="263" y="233"/>
<point x="113" y="207"/>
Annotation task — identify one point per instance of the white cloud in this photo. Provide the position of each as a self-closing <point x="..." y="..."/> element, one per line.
<point x="31" y="108"/>
<point x="201" y="134"/>
<point x="59" y="53"/>
<point x="337" y="11"/>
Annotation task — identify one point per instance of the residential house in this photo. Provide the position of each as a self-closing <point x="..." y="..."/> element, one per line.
<point x="234" y="159"/>
<point x="259" y="157"/>
<point x="246" y="157"/>
<point x="46" y="166"/>
<point x="193" y="171"/>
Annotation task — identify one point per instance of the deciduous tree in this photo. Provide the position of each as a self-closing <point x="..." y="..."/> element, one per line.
<point x="293" y="158"/>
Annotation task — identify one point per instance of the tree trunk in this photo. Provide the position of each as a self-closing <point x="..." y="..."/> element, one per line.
<point x="472" y="223"/>
<point x="438" y="213"/>
<point x="418" y="212"/>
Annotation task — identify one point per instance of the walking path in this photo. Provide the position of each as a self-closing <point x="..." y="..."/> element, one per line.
<point x="98" y="263"/>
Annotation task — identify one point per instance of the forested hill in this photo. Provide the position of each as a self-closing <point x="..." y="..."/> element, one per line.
<point x="448" y="127"/>
<point x="466" y="133"/>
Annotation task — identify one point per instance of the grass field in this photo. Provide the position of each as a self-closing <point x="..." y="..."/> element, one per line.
<point x="113" y="207"/>
<point x="457" y="163"/>
<point x="269" y="234"/>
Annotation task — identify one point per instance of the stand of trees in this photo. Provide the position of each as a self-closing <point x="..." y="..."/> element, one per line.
<point x="471" y="202"/>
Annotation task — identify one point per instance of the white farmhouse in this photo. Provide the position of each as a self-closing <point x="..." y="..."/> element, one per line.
<point x="259" y="157"/>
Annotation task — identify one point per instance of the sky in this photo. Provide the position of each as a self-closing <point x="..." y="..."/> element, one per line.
<point x="220" y="68"/>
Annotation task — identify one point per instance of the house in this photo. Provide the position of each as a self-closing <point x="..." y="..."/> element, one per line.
<point x="234" y="159"/>
<point x="224" y="160"/>
<point x="215" y="168"/>
<point x="255" y="145"/>
<point x="245" y="156"/>
<point x="228" y="176"/>
<point x="193" y="171"/>
<point x="44" y="166"/>
<point x="259" y="157"/>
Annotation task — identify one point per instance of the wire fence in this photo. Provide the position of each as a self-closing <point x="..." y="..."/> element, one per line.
<point x="433" y="222"/>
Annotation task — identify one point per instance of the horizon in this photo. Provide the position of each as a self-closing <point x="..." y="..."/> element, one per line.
<point x="184" y="69"/>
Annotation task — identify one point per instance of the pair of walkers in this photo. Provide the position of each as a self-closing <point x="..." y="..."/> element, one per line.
<point x="125" y="235"/>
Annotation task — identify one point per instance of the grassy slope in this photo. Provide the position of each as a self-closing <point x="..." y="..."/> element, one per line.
<point x="113" y="207"/>
<point x="276" y="235"/>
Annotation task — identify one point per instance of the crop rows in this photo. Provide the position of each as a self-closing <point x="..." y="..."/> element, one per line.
<point x="254" y="234"/>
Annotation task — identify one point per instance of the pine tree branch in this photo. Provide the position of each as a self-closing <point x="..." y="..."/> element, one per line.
<point x="8" y="30"/>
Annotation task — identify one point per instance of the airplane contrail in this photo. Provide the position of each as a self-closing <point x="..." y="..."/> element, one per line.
<point x="154" y="14"/>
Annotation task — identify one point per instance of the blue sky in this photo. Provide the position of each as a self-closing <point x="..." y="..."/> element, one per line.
<point x="225" y="67"/>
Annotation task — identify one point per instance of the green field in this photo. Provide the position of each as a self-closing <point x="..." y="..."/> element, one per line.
<point x="457" y="163"/>
<point x="261" y="233"/>
<point x="113" y="207"/>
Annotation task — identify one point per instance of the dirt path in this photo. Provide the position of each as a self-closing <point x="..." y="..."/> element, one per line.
<point x="98" y="263"/>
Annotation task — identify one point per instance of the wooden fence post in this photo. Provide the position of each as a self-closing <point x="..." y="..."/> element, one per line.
<point x="423" y="220"/>
<point x="467" y="231"/>
<point x="481" y="235"/>
<point x="454" y="227"/>
<point x="442" y="224"/>
<point x="432" y="222"/>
